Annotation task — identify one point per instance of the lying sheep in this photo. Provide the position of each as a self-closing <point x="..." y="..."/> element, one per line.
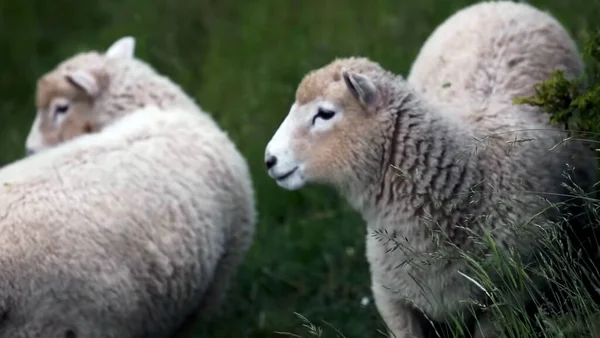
<point x="131" y="221"/>
<point x="419" y="171"/>
<point x="123" y="233"/>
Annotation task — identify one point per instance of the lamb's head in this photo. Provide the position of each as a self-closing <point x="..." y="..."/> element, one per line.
<point x="331" y="127"/>
<point x="66" y="95"/>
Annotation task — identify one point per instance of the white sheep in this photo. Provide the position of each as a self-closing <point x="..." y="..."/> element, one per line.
<point x="414" y="167"/>
<point x="123" y="233"/>
<point x="493" y="49"/>
<point x="131" y="230"/>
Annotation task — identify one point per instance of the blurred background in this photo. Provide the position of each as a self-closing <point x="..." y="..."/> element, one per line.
<point x="242" y="61"/>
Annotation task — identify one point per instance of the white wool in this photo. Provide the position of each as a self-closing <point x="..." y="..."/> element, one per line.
<point x="108" y="128"/>
<point x="493" y="50"/>
<point x="123" y="233"/>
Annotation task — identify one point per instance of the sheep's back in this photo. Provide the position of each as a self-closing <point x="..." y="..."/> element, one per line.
<point x="493" y="50"/>
<point x="133" y="219"/>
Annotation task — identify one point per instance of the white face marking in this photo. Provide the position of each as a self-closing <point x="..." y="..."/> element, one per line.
<point x="34" y="140"/>
<point x="59" y="109"/>
<point x="282" y="162"/>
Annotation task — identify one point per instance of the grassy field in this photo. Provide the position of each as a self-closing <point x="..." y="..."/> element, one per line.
<point x="242" y="61"/>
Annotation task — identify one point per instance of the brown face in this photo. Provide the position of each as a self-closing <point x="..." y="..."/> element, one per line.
<point x="325" y="130"/>
<point x="62" y="113"/>
<point x="65" y="97"/>
<point x="64" y="101"/>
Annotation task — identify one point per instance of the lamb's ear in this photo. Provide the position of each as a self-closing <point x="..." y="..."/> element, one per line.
<point x="91" y="83"/>
<point x="124" y="48"/>
<point x="361" y="87"/>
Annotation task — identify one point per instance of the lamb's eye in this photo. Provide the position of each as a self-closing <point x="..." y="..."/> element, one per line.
<point x="323" y="114"/>
<point x="61" y="108"/>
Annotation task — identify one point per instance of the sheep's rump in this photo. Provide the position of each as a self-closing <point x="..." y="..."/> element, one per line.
<point x="117" y="234"/>
<point x="493" y="50"/>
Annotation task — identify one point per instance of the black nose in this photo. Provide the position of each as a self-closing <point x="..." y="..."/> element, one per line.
<point x="29" y="152"/>
<point x="271" y="161"/>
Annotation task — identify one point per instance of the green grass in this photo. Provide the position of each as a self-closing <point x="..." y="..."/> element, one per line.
<point x="242" y="61"/>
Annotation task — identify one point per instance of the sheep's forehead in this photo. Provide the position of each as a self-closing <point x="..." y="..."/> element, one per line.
<point x="327" y="81"/>
<point x="316" y="85"/>
<point x="50" y="86"/>
<point x="54" y="84"/>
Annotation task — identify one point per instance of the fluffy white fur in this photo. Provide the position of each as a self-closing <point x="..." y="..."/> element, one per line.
<point x="134" y="213"/>
<point x="493" y="49"/>
<point x="124" y="233"/>
<point x="421" y="160"/>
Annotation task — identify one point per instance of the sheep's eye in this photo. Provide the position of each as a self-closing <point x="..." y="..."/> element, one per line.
<point x="324" y="114"/>
<point x="61" y="108"/>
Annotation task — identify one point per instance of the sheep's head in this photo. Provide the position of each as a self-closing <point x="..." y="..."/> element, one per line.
<point x="329" y="125"/>
<point x="65" y="97"/>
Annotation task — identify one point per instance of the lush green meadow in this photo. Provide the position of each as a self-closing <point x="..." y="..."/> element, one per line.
<point x="242" y="61"/>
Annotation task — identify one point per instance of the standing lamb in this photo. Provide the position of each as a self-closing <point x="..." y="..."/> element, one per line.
<point x="414" y="167"/>
<point x="134" y="226"/>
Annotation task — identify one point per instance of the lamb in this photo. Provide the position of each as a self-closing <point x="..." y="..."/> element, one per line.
<point x="132" y="215"/>
<point x="416" y="165"/>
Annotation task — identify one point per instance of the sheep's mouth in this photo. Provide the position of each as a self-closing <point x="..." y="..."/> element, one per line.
<point x="286" y="175"/>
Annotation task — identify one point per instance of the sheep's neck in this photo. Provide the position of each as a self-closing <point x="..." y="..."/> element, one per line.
<point x="427" y="164"/>
<point x="139" y="85"/>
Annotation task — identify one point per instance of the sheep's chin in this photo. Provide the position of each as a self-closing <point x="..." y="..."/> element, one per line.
<point x="292" y="182"/>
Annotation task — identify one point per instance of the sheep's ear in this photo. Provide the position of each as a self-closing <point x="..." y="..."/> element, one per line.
<point x="86" y="81"/>
<point x="124" y="48"/>
<point x="361" y="88"/>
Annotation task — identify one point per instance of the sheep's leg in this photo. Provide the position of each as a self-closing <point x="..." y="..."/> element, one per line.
<point x="401" y="319"/>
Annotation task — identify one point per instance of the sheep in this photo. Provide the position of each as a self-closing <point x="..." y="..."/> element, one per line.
<point x="455" y="61"/>
<point x="109" y="128"/>
<point x="88" y="91"/>
<point x="431" y="174"/>
<point x="125" y="232"/>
